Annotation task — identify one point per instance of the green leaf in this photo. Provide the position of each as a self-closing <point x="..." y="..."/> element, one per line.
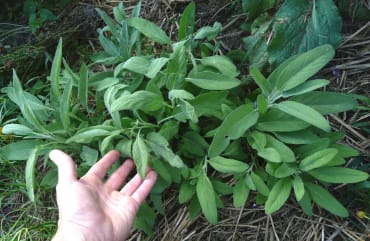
<point x="297" y="29"/>
<point x="186" y="192"/>
<point x="180" y="94"/>
<point x="226" y="165"/>
<point x="233" y="127"/>
<point x="303" y="67"/>
<point x="149" y="29"/>
<point x="338" y="175"/>
<point x="20" y="150"/>
<point x="88" y="134"/>
<point x="260" y="184"/>
<point x="278" y="196"/>
<point x="55" y="69"/>
<point x="139" y="100"/>
<point x="240" y="193"/>
<point x="325" y="200"/>
<point x="318" y="159"/>
<point x="209" y="103"/>
<point x="305" y="204"/>
<point x="222" y="64"/>
<point x="189" y="111"/>
<point x="30" y="172"/>
<point x="83" y="85"/>
<point x="297" y="137"/>
<point x="212" y="81"/>
<point x="140" y="155"/>
<point x="260" y="80"/>
<point x="286" y="154"/>
<point x="155" y="66"/>
<point x="270" y="154"/>
<point x="159" y="145"/>
<point x="65" y="104"/>
<point x="298" y="187"/>
<point x="207" y="198"/>
<point x="306" y="87"/>
<point x="186" y="27"/>
<point x="16" y="129"/>
<point x="277" y="121"/>
<point x="108" y="21"/>
<point x="221" y="187"/>
<point x="285" y="170"/>
<point x="208" y="32"/>
<point x="304" y="113"/>
<point x="262" y="104"/>
<point x="327" y="102"/>
<point x="137" y="64"/>
<point x="89" y="155"/>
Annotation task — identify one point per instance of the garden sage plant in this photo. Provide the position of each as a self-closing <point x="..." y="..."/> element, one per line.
<point x="186" y="111"/>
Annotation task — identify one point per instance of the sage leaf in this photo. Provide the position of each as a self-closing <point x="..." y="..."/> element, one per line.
<point x="207" y="198"/>
<point x="260" y="184"/>
<point x="83" y="85"/>
<point x="298" y="187"/>
<point x="222" y="64"/>
<point x="338" y="175"/>
<point x="325" y="200"/>
<point x="186" y="192"/>
<point x="318" y="159"/>
<point x="240" y="193"/>
<point x="212" y="81"/>
<point x="140" y="155"/>
<point x="149" y="29"/>
<point x="304" y="113"/>
<point x="139" y="100"/>
<point x="186" y="27"/>
<point x="306" y="87"/>
<point x="327" y="102"/>
<point x="260" y="80"/>
<point x="30" y="172"/>
<point x="226" y="165"/>
<point x="278" y="196"/>
<point x="55" y="70"/>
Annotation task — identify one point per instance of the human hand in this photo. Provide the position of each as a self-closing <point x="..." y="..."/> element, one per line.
<point x="91" y="210"/>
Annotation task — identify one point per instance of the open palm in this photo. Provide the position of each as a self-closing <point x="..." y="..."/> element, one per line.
<point x="91" y="208"/>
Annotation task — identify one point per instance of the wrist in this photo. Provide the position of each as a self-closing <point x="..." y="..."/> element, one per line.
<point x="67" y="232"/>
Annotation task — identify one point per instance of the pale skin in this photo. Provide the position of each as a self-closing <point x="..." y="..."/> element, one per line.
<point x="93" y="210"/>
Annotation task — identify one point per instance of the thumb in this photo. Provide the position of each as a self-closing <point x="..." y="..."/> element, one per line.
<point x="66" y="167"/>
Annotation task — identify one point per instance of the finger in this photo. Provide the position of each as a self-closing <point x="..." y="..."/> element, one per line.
<point x="132" y="185"/>
<point x="66" y="167"/>
<point x="103" y="165"/>
<point x="116" y="180"/>
<point x="144" y="189"/>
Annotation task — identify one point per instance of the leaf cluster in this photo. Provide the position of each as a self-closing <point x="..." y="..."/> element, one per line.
<point x="179" y="111"/>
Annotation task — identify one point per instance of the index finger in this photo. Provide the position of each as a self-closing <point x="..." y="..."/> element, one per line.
<point x="103" y="165"/>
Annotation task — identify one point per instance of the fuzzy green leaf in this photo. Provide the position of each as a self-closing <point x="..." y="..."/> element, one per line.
<point x="212" y="81"/>
<point x="222" y="64"/>
<point x="240" y="193"/>
<point x="30" y="172"/>
<point x="207" y="198"/>
<point x="149" y="29"/>
<point x="186" y="27"/>
<point x="304" y="113"/>
<point x="318" y="159"/>
<point x="226" y="165"/>
<point x="338" y="175"/>
<point x="140" y="155"/>
<point x="298" y="187"/>
<point x="279" y="194"/>
<point x="325" y="200"/>
<point x="139" y="100"/>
